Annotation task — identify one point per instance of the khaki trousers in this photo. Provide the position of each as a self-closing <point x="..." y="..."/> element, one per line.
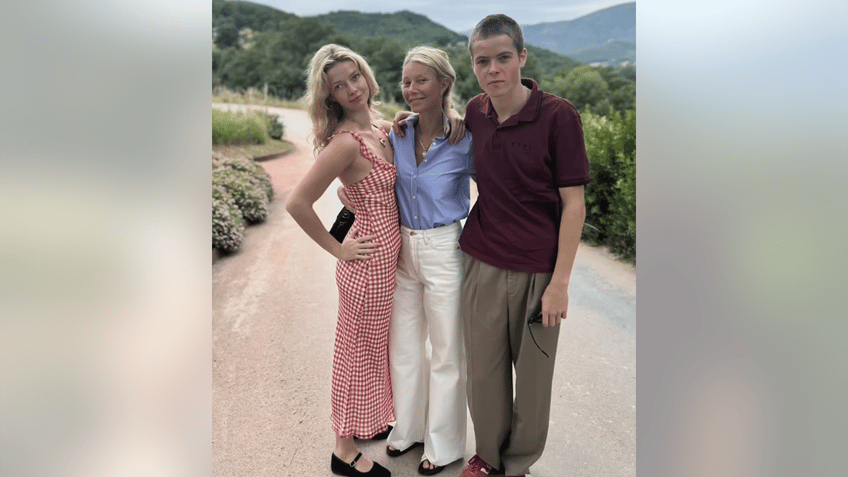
<point x="510" y="429"/>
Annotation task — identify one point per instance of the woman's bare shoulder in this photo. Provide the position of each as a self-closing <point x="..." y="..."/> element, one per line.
<point x="386" y="126"/>
<point x="342" y="144"/>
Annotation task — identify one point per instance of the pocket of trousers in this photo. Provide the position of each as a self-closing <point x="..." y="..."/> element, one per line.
<point x="444" y="244"/>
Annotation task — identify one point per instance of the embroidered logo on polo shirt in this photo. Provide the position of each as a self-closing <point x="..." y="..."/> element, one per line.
<point x="526" y="147"/>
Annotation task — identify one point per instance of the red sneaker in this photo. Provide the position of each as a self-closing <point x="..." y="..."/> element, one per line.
<point x="476" y="467"/>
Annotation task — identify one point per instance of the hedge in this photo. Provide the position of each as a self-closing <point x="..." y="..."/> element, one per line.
<point x="241" y="192"/>
<point x="611" y="195"/>
<point x="227" y="222"/>
<point x="238" y="128"/>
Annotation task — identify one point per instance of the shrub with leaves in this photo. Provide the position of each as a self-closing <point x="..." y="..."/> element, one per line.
<point x="622" y="230"/>
<point x="238" y="128"/>
<point x="252" y="200"/>
<point x="227" y="222"/>
<point x="258" y="175"/>
<point x="611" y="196"/>
<point x="273" y="124"/>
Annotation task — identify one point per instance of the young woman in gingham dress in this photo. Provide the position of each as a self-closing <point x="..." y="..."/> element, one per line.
<point x="362" y="388"/>
<point x="340" y="93"/>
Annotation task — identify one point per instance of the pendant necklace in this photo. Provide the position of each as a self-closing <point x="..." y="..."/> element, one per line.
<point x="382" y="140"/>
<point x="423" y="149"/>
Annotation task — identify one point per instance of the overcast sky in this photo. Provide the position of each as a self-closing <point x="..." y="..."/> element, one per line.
<point x="457" y="15"/>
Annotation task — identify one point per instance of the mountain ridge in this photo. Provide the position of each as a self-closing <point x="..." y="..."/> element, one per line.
<point x="589" y="36"/>
<point x="405" y="25"/>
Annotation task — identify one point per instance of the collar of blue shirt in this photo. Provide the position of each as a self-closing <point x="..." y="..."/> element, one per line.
<point x="412" y="120"/>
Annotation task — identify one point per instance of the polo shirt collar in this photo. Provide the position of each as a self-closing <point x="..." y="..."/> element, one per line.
<point x="530" y="109"/>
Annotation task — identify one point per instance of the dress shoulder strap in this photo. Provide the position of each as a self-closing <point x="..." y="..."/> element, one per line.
<point x="382" y="131"/>
<point x="363" y="146"/>
<point x="355" y="135"/>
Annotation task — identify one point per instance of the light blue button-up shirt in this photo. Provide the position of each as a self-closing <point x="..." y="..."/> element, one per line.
<point x="437" y="192"/>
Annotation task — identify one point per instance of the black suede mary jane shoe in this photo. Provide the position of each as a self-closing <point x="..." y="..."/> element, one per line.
<point x="340" y="467"/>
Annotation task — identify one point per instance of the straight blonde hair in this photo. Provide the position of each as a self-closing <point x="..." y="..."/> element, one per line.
<point x="325" y="113"/>
<point x="439" y="61"/>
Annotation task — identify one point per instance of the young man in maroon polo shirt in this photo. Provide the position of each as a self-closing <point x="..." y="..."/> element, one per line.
<point x="520" y="239"/>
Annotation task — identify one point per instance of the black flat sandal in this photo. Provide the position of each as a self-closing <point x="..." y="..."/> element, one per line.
<point x="433" y="471"/>
<point x="398" y="452"/>
<point x="340" y="467"/>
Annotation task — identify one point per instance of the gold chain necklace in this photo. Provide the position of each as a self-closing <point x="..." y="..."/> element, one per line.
<point x="382" y="141"/>
<point x="423" y="149"/>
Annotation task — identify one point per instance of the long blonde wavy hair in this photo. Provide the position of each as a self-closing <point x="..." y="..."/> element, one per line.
<point x="325" y="113"/>
<point x="439" y="61"/>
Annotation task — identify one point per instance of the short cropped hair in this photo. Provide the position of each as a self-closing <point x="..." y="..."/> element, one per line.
<point x="497" y="24"/>
<point x="439" y="61"/>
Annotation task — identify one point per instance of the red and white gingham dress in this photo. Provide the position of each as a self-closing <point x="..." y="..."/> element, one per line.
<point x="362" y="402"/>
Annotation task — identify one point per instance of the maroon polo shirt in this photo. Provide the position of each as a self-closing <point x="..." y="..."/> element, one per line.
<point x="520" y="166"/>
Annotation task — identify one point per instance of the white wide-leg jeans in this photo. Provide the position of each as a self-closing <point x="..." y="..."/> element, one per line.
<point x="429" y="391"/>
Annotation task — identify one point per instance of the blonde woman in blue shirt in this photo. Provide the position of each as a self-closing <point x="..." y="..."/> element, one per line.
<point x="433" y="193"/>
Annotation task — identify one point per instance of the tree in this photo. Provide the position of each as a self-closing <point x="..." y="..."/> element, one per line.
<point x="629" y="72"/>
<point x="240" y="68"/>
<point x="226" y="34"/>
<point x="582" y="86"/>
<point x="385" y="56"/>
<point x="624" y="98"/>
<point x="613" y="76"/>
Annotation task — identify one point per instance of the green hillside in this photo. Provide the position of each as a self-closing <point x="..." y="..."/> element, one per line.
<point x="549" y="62"/>
<point x="610" y="52"/>
<point x="404" y="26"/>
<point x="260" y="47"/>
<point x="228" y="18"/>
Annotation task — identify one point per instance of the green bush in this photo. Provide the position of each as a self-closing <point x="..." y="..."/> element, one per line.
<point x="252" y="201"/>
<point x="273" y="124"/>
<point x="611" y="196"/>
<point x="227" y="222"/>
<point x="241" y="192"/>
<point x="238" y="128"/>
<point x="622" y="235"/>
<point x="259" y="177"/>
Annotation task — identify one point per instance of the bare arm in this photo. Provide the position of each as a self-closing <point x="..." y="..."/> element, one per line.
<point x="555" y="298"/>
<point x="457" y="126"/>
<point x="339" y="155"/>
<point x="399" y="123"/>
<point x="345" y="200"/>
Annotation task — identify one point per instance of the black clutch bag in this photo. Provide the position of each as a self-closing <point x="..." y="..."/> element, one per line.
<point x="342" y="224"/>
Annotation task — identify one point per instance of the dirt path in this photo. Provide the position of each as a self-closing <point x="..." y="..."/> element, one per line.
<point x="274" y="309"/>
